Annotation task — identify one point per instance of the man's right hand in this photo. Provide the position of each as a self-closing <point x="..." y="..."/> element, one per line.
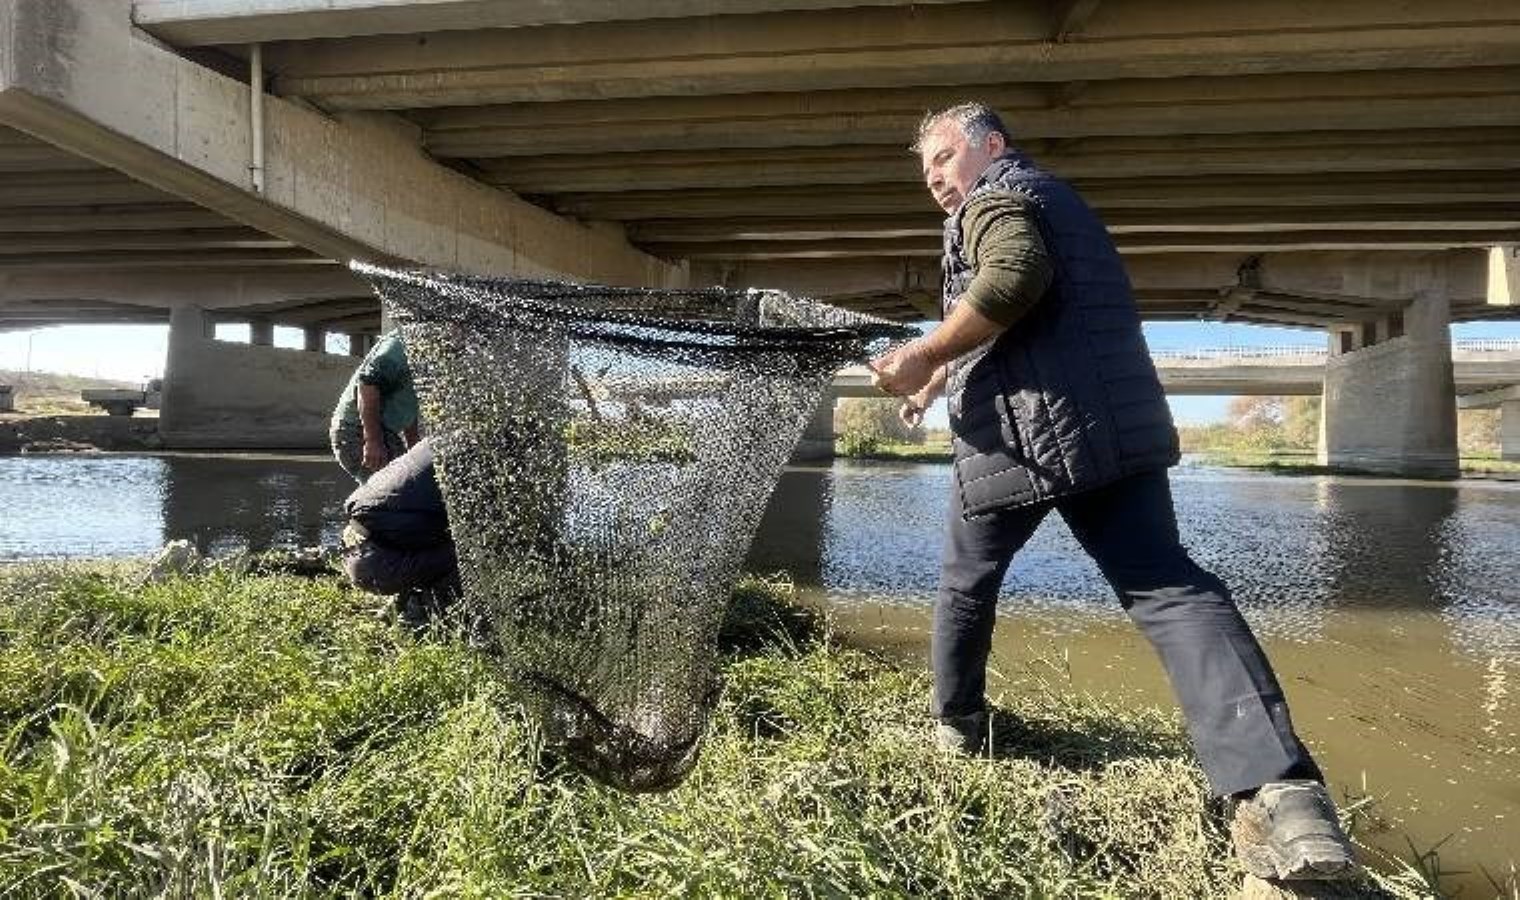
<point x="911" y="413"/>
<point x="375" y="455"/>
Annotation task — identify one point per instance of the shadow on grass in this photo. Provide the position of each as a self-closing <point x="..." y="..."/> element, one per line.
<point x="1088" y="742"/>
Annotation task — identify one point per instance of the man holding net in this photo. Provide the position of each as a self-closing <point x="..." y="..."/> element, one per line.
<point x="1055" y="405"/>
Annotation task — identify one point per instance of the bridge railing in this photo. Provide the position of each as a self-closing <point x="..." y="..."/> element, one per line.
<point x="1237" y="352"/>
<point x="1487" y="345"/>
<point x="1301" y="351"/>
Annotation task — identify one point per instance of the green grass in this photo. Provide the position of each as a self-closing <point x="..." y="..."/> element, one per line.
<point x="269" y="736"/>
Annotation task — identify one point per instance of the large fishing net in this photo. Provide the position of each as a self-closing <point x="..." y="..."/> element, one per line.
<point x="605" y="455"/>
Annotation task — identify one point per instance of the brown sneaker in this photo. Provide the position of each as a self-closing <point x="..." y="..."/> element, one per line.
<point x="1288" y="832"/>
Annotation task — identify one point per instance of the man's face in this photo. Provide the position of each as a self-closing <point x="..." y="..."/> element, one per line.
<point x="952" y="164"/>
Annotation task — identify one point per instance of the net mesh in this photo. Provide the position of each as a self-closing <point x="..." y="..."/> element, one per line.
<point x="606" y="455"/>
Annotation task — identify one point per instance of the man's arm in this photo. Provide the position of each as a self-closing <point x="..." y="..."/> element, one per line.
<point x="1013" y="271"/>
<point x="375" y="455"/>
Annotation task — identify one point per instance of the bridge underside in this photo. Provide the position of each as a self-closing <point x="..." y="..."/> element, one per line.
<point x="1347" y="171"/>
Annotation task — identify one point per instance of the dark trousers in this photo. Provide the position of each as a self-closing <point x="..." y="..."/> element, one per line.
<point x="1235" y="710"/>
<point x="384" y="569"/>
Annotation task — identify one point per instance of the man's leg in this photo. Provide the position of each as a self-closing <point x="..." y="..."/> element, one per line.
<point x="1235" y="709"/>
<point x="1282" y="819"/>
<point x="382" y="569"/>
<point x="975" y="559"/>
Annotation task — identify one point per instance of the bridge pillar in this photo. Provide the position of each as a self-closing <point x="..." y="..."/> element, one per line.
<point x="261" y="333"/>
<point x="818" y="438"/>
<point x="1390" y="405"/>
<point x="1509" y="430"/>
<point x="224" y="395"/>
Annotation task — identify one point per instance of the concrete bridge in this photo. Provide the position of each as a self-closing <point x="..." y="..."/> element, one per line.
<point x="1486" y="374"/>
<point x="1353" y="167"/>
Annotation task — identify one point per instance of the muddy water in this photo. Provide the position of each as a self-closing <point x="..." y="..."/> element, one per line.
<point x="1391" y="608"/>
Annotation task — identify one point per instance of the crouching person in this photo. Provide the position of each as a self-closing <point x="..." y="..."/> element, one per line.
<point x="397" y="537"/>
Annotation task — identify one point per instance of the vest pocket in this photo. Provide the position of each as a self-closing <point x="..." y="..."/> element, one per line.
<point x="989" y="481"/>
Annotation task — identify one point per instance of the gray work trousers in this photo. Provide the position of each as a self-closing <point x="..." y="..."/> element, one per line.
<point x="1236" y="714"/>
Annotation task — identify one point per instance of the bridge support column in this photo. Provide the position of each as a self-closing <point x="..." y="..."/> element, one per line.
<point x="1509" y="430"/>
<point x="1390" y="405"/>
<point x="224" y="395"/>
<point x="188" y="328"/>
<point x="818" y="438"/>
<point x="261" y="333"/>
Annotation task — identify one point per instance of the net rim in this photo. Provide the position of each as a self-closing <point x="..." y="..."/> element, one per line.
<point x="642" y="324"/>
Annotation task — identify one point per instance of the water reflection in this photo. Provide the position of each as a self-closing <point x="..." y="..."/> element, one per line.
<point x="84" y="506"/>
<point x="223" y="503"/>
<point x="1289" y="547"/>
<point x="57" y="507"/>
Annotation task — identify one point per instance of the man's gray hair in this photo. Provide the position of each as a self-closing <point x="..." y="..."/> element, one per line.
<point x="975" y="120"/>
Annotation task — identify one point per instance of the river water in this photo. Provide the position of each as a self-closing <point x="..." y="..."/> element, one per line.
<point x="1390" y="608"/>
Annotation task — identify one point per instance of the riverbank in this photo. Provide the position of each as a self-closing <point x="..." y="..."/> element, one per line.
<point x="1305" y="462"/>
<point x="50" y="417"/>
<point x="242" y="734"/>
<point x="1282" y="462"/>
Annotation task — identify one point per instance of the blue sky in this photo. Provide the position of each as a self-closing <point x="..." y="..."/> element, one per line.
<point x="135" y="352"/>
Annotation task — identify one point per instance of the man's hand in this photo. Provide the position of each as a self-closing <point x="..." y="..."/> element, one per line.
<point x="911" y="413"/>
<point x="375" y="455"/>
<point x="904" y="371"/>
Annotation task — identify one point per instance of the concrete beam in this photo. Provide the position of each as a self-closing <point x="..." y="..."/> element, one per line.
<point x="166" y="289"/>
<point x="191" y="23"/>
<point x="135" y="260"/>
<point x="352" y="187"/>
<point x="1489" y="399"/>
<point x="964" y="44"/>
<point x="232" y="237"/>
<point x="1070" y="18"/>
<point x="64" y="189"/>
<point x="1178" y="195"/>
<point x="1283" y="104"/>
<point x="1235" y="220"/>
<point x="1129" y="244"/>
<point x="106" y="217"/>
<point x="1370" y="281"/>
<point x="1116" y="157"/>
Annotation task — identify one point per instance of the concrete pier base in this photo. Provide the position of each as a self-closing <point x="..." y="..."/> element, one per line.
<point x="1390" y="407"/>
<point x="818" y="438"/>
<point x="219" y="395"/>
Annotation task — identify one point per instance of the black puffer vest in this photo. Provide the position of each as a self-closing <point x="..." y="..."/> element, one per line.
<point x="1067" y="399"/>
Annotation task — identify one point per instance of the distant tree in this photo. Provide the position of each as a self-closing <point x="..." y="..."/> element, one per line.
<point x="864" y="424"/>
<point x="1478" y="431"/>
<point x="1252" y="413"/>
<point x="1301" y="422"/>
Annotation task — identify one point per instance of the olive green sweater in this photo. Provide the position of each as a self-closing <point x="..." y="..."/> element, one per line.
<point x="1004" y="246"/>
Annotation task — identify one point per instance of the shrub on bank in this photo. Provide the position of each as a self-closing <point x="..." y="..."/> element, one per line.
<point x="275" y="736"/>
